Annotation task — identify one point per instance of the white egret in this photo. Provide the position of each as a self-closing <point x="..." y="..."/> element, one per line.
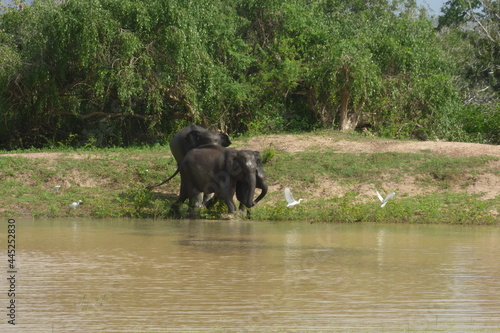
<point x="75" y="204"/>
<point x="387" y="198"/>
<point x="56" y="188"/>
<point x="289" y="198"/>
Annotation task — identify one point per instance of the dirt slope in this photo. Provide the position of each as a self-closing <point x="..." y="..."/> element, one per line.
<point x="486" y="184"/>
<point x="302" y="142"/>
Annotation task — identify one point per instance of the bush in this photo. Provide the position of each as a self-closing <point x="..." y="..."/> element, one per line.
<point x="130" y="72"/>
<point x="481" y="123"/>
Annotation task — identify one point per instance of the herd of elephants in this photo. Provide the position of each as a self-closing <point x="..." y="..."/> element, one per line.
<point x="211" y="171"/>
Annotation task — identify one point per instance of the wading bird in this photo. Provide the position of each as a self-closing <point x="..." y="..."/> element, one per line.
<point x="75" y="204"/>
<point x="56" y="188"/>
<point x="387" y="198"/>
<point x="289" y="198"/>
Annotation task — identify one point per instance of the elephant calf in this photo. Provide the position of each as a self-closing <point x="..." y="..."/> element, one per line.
<point x="223" y="171"/>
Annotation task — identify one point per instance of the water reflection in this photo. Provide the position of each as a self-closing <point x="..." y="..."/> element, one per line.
<point x="136" y="275"/>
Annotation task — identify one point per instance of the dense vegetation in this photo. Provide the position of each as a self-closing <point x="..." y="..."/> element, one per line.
<point x="127" y="72"/>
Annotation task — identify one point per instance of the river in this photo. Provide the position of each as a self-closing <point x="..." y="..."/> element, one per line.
<point x="76" y="275"/>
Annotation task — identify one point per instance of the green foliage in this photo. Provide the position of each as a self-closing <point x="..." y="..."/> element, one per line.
<point x="470" y="31"/>
<point x="482" y="123"/>
<point x="456" y="11"/>
<point x="268" y="154"/>
<point x="120" y="73"/>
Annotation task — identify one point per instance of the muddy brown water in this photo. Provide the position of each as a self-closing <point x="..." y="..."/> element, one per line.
<point x="173" y="276"/>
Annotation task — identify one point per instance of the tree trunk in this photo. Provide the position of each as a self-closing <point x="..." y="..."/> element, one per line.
<point x="319" y="107"/>
<point x="349" y="121"/>
<point x="344" y="108"/>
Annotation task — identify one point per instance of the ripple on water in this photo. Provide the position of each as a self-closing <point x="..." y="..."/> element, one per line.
<point x="193" y="276"/>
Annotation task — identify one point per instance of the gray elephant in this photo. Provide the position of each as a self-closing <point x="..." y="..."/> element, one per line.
<point x="215" y="169"/>
<point x="190" y="137"/>
<point x="243" y="188"/>
<point x="193" y="136"/>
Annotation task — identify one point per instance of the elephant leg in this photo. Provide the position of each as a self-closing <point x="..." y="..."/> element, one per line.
<point x="243" y="211"/>
<point x="231" y="207"/>
<point x="196" y="200"/>
<point x="183" y="195"/>
<point x="209" y="200"/>
<point x="195" y="204"/>
<point x="228" y="195"/>
<point x="174" y="209"/>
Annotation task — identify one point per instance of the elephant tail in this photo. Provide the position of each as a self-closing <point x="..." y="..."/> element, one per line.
<point x="150" y="187"/>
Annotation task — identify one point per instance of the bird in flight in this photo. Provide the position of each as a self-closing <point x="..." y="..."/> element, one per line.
<point x="387" y="198"/>
<point x="289" y="198"/>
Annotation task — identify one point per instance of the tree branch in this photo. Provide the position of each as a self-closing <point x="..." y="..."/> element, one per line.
<point x="488" y="35"/>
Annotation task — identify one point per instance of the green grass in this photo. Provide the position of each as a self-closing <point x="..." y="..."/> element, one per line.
<point x="446" y="208"/>
<point x="303" y="170"/>
<point x="112" y="183"/>
<point x="307" y="167"/>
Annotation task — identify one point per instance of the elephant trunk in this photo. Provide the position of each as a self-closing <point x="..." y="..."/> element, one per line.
<point x="262" y="185"/>
<point x="249" y="203"/>
<point x="245" y="191"/>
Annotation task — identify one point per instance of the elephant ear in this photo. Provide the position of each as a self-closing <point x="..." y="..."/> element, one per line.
<point x="232" y="165"/>
<point x="194" y="138"/>
<point x="258" y="160"/>
<point x="224" y="140"/>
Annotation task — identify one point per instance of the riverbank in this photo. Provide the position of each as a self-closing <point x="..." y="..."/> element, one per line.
<point x="336" y="174"/>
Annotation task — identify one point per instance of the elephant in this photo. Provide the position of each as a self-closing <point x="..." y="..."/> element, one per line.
<point x="223" y="171"/>
<point x="243" y="189"/>
<point x="191" y="137"/>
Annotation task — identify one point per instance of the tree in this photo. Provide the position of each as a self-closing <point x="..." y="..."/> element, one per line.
<point x="479" y="24"/>
<point x="373" y="68"/>
<point x="471" y="30"/>
<point x="123" y="72"/>
<point x="115" y="72"/>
